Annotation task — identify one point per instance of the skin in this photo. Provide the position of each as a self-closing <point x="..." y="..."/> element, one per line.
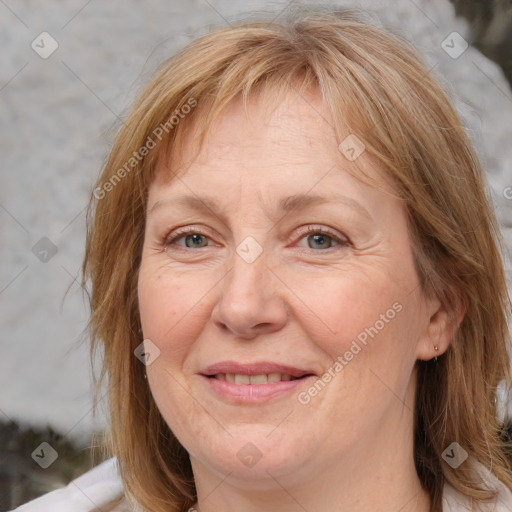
<point x="301" y="302"/>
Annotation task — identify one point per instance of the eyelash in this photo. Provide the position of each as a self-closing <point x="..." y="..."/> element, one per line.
<point x="169" y="240"/>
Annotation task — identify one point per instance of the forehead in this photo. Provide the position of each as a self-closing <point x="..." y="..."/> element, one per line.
<point x="272" y="139"/>
<point x="273" y="120"/>
<point x="267" y="160"/>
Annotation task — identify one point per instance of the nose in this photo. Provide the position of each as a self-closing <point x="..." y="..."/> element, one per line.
<point x="250" y="303"/>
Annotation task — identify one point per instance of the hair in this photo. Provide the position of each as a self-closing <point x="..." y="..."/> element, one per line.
<point x="375" y="86"/>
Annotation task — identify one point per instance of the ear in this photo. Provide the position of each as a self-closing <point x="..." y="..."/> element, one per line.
<point x="442" y="323"/>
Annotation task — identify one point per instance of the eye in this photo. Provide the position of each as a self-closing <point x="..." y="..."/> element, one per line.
<point x="315" y="237"/>
<point x="321" y="238"/>
<point x="190" y="238"/>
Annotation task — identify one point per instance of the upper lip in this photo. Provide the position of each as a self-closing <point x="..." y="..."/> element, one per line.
<point x="260" y="368"/>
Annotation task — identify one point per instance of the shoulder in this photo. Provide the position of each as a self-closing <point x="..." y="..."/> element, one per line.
<point x="101" y="485"/>
<point x="455" y="501"/>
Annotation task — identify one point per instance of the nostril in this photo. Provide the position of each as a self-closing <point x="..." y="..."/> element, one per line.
<point x="263" y="325"/>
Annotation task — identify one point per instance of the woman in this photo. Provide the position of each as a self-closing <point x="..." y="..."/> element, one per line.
<point x="297" y="284"/>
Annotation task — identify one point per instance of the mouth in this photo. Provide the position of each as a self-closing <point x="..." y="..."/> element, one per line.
<point x="253" y="382"/>
<point x="241" y="379"/>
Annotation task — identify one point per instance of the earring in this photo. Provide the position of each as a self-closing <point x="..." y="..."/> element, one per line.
<point x="436" y="348"/>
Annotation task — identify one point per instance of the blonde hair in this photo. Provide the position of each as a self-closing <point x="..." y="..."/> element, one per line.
<point x="376" y="87"/>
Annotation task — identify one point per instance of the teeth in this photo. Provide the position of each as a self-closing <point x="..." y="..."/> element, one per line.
<point x="243" y="380"/>
<point x="259" y="379"/>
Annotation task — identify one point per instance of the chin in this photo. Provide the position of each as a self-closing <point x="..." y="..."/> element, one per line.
<point x="255" y="457"/>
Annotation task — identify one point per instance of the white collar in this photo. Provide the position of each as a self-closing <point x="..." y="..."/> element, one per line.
<point x="455" y="501"/>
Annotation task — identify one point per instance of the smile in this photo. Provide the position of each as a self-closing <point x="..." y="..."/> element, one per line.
<point x="244" y="380"/>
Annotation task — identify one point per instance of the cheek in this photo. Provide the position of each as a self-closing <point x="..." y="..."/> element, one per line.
<point x="184" y="415"/>
<point x="368" y="323"/>
<point x="170" y="308"/>
<point x="170" y="311"/>
<point x="367" y="328"/>
<point x="346" y="307"/>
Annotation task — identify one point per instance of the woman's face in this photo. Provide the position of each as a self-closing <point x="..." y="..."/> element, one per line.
<point x="282" y="296"/>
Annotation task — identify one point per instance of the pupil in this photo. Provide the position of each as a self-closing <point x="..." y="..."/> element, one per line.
<point x="321" y="240"/>
<point x="195" y="240"/>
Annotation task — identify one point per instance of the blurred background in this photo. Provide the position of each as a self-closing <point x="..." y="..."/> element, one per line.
<point x="69" y="71"/>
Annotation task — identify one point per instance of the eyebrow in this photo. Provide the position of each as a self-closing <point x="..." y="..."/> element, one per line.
<point x="286" y="205"/>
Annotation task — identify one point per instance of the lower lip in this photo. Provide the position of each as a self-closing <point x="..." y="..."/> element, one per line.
<point x="254" y="393"/>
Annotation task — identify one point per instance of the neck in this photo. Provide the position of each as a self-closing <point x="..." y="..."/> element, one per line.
<point x="327" y="495"/>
